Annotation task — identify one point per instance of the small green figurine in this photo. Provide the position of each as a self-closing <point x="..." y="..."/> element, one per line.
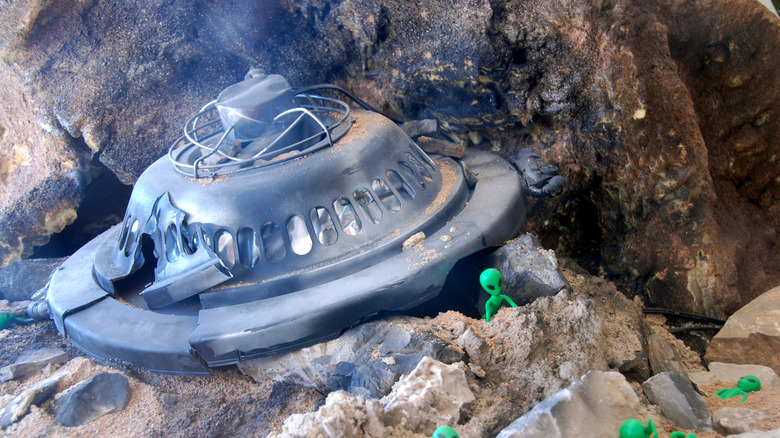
<point x="680" y="434"/>
<point x="490" y="279"/>
<point x="633" y="428"/>
<point x="744" y="385"/>
<point x="445" y="432"/>
<point x="7" y="319"/>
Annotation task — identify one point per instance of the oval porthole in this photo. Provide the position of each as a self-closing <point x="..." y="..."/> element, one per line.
<point x="224" y="248"/>
<point x="386" y="195"/>
<point x="347" y="216"/>
<point x="273" y="242"/>
<point x="323" y="226"/>
<point x="366" y="201"/>
<point x="248" y="247"/>
<point x="300" y="240"/>
<point x="411" y="174"/>
<point x="132" y="236"/>
<point x="171" y="244"/>
<point x="404" y="189"/>
<point x="418" y="166"/>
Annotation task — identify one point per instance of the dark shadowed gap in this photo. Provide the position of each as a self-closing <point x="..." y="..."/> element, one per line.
<point x="104" y="205"/>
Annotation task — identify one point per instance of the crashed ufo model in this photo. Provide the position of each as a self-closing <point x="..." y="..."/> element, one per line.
<point x="275" y="222"/>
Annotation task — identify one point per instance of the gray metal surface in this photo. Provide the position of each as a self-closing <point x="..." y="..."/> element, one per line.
<point x="281" y="256"/>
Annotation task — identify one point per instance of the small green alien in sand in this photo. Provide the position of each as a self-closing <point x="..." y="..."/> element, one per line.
<point x="744" y="385"/>
<point x="491" y="281"/>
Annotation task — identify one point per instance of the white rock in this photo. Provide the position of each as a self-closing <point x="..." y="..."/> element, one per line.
<point x="431" y="395"/>
<point x="730" y="421"/>
<point x="731" y="373"/>
<point x="595" y="406"/>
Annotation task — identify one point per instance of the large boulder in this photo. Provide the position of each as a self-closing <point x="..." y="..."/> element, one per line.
<point x="751" y="335"/>
<point x="663" y="116"/>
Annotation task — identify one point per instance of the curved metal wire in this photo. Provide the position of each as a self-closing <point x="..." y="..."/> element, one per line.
<point x="204" y="137"/>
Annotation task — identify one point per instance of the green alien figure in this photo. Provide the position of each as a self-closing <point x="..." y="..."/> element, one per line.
<point x="445" y="432"/>
<point x="744" y="385"/>
<point x="7" y="319"/>
<point x="490" y="279"/>
<point x="680" y="434"/>
<point x="633" y="428"/>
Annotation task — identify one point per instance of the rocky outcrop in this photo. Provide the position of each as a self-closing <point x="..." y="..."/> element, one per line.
<point x="751" y="335"/>
<point x="663" y="117"/>
<point x="433" y="394"/>
<point x="366" y="360"/>
<point x="595" y="406"/>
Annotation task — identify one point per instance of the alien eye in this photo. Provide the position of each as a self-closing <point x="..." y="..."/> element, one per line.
<point x="491" y="287"/>
<point x="751" y="380"/>
<point x="500" y="281"/>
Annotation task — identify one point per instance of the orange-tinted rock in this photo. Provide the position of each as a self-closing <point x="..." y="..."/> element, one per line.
<point x="751" y="335"/>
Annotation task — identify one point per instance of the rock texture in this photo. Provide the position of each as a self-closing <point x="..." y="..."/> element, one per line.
<point x="595" y="406"/>
<point x="32" y="361"/>
<point x="433" y="394"/>
<point x="732" y="421"/>
<point x="529" y="270"/>
<point x="21" y="279"/>
<point x="679" y="402"/>
<point x="751" y="335"/>
<point x="729" y="373"/>
<point x="367" y="359"/>
<point x="663" y="117"/>
<point x="663" y="357"/>
<point x="34" y="395"/>
<point x="99" y="395"/>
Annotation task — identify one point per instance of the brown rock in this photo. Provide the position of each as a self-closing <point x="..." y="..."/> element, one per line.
<point x="41" y="182"/>
<point x="751" y="335"/>
<point x="663" y="357"/>
<point x="446" y="148"/>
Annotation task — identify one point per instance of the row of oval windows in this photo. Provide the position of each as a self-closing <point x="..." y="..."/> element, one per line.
<point x="322" y="224"/>
<point x="410" y="177"/>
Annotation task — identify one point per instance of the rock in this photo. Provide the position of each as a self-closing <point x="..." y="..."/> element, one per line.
<point x="416" y="128"/>
<point x="32" y="361"/>
<point x="731" y="373"/>
<point x="431" y="395"/>
<point x="413" y="240"/>
<point x="751" y="335"/>
<point x="663" y="357"/>
<point x="595" y="406"/>
<point x="34" y="395"/>
<point x="21" y="279"/>
<point x="366" y="359"/>
<point x="732" y="421"/>
<point x="769" y="434"/>
<point x="442" y="147"/>
<point x="342" y="415"/>
<point x="678" y="400"/>
<point x="474" y="345"/>
<point x="529" y="270"/>
<point x="41" y="173"/>
<point x="99" y="395"/>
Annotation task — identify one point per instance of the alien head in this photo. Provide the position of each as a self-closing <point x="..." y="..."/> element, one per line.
<point x="749" y="384"/>
<point x="490" y="279"/>
<point x="445" y="432"/>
